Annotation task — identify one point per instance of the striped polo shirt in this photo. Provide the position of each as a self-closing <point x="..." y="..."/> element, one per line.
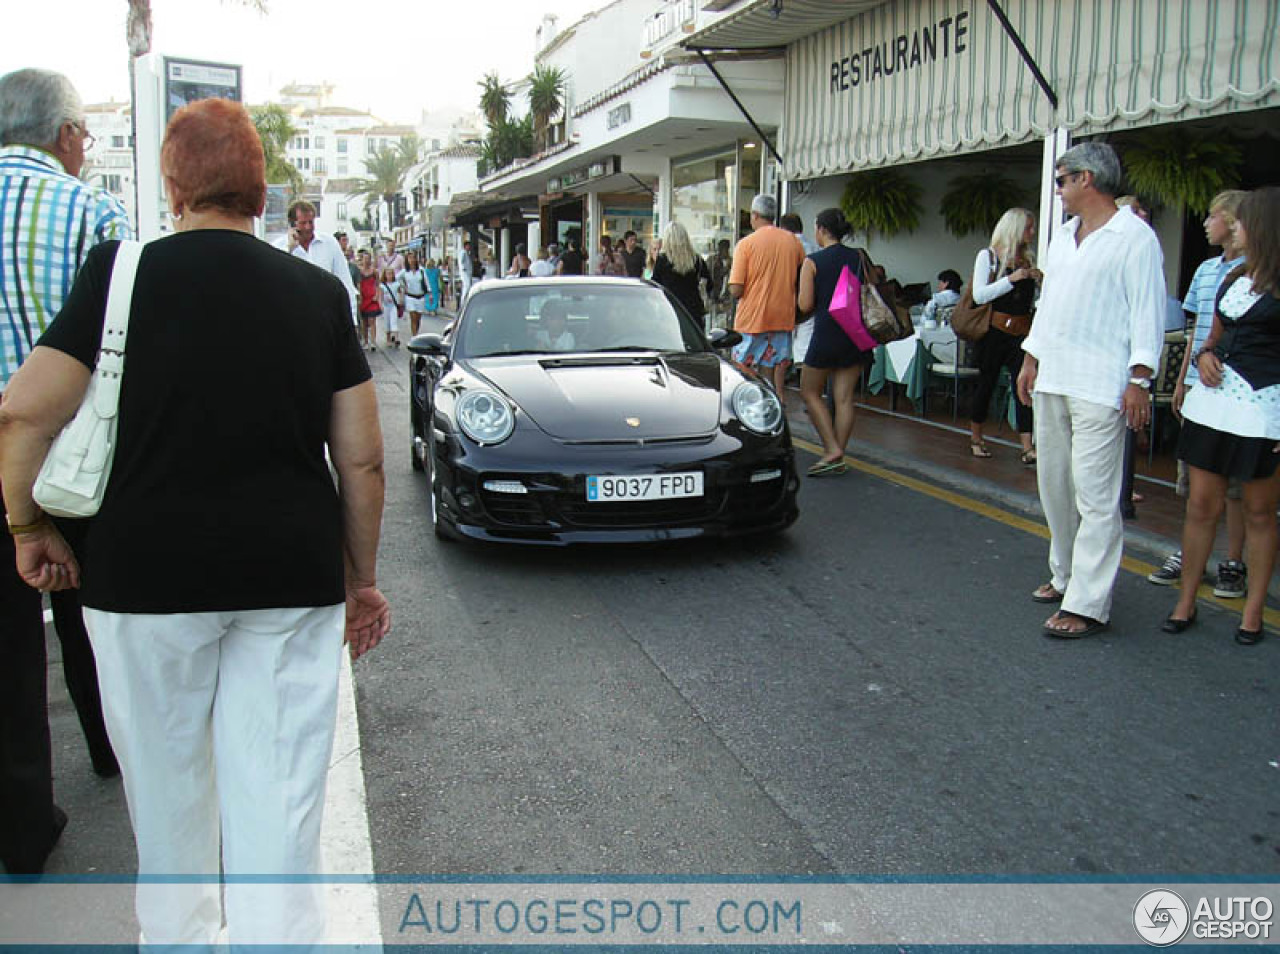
<point x="1200" y="300"/>
<point x="48" y="222"/>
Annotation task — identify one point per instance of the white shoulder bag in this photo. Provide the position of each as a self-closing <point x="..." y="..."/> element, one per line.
<point x="73" y="478"/>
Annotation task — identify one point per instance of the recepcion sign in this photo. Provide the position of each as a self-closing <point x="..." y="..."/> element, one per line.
<point x="186" y="81"/>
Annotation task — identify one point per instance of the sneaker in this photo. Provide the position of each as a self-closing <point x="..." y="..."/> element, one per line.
<point x="1170" y="572"/>
<point x="1232" y="579"/>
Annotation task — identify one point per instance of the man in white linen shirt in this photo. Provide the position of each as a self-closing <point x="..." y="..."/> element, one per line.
<point x="1097" y="336"/>
<point x="303" y="241"/>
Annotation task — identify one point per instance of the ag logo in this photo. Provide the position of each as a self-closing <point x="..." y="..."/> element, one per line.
<point x="1161" y="917"/>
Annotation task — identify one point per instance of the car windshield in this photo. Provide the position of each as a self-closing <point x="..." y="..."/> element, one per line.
<point x="541" y="318"/>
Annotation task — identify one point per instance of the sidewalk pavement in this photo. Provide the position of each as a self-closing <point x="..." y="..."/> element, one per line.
<point x="938" y="453"/>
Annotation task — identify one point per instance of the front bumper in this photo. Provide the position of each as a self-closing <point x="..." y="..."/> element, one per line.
<point x="749" y="486"/>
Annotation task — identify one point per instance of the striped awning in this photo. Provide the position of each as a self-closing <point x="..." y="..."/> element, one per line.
<point x="911" y="79"/>
<point x="766" y="24"/>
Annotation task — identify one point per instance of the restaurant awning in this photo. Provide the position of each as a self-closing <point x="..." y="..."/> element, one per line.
<point x="905" y="80"/>
<point x="765" y="24"/>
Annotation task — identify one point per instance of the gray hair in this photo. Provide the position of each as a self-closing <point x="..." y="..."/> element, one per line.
<point x="33" y="106"/>
<point x="765" y="206"/>
<point x="1099" y="159"/>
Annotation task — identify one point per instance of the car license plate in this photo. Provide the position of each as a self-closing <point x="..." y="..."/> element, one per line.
<point x="601" y="489"/>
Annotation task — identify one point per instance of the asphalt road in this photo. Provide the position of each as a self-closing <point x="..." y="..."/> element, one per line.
<point x="867" y="693"/>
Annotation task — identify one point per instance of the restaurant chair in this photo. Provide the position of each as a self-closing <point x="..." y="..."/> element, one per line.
<point x="1164" y="383"/>
<point x="953" y="362"/>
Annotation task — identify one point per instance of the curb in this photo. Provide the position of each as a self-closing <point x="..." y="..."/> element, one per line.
<point x="1153" y="546"/>
<point x="1145" y="542"/>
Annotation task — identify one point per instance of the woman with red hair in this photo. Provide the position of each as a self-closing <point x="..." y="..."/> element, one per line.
<point x="223" y="570"/>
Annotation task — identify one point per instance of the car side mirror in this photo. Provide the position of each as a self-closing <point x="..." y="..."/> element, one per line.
<point x="429" y="345"/>
<point x="722" y="338"/>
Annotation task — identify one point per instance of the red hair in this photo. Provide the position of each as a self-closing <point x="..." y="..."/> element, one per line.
<point x="213" y="155"/>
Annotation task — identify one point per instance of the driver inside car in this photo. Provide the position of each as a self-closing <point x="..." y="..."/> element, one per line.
<point x="553" y="333"/>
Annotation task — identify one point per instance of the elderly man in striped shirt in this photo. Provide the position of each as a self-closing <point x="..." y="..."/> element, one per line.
<point x="49" y="220"/>
<point x="1087" y="371"/>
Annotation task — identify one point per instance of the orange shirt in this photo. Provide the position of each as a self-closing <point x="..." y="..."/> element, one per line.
<point x="766" y="263"/>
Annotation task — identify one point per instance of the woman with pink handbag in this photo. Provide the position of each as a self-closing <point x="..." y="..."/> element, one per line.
<point x="833" y="354"/>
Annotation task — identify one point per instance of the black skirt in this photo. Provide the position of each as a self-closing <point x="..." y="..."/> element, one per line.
<point x="1248" y="458"/>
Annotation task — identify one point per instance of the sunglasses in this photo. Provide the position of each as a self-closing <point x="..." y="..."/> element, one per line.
<point x="1062" y="179"/>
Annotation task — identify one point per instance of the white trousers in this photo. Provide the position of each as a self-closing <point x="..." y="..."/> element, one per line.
<point x="223" y="724"/>
<point x="1080" y="466"/>
<point x="390" y="317"/>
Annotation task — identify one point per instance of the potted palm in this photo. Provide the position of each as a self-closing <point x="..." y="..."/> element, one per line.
<point x="1178" y="168"/>
<point x="973" y="204"/>
<point x="883" y="201"/>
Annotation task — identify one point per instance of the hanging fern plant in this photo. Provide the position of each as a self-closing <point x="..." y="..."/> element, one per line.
<point x="883" y="201"/>
<point x="1179" y="168"/>
<point x="973" y="204"/>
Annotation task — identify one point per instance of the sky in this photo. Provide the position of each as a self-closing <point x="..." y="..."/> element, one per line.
<point x="393" y="57"/>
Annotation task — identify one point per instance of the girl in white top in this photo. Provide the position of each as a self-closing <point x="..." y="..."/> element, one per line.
<point x="392" y="303"/>
<point x="413" y="285"/>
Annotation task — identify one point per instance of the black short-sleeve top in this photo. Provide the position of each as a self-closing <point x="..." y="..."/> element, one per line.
<point x="220" y="495"/>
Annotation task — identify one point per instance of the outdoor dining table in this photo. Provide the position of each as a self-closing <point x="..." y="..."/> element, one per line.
<point x="907" y="362"/>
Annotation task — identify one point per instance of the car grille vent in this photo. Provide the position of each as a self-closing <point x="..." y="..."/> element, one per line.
<point x="513" y="510"/>
<point x="641" y="513"/>
<point x="690" y="439"/>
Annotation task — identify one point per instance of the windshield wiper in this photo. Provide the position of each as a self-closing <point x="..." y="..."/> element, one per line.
<point x="509" y="354"/>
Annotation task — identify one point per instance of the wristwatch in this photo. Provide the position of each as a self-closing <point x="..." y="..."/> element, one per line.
<point x="19" y="529"/>
<point x="1144" y="383"/>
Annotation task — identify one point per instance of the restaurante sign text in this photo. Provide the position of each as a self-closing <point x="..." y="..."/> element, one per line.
<point x="904" y="52"/>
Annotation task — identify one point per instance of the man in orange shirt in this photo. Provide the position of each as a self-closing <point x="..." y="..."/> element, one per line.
<point x="763" y="280"/>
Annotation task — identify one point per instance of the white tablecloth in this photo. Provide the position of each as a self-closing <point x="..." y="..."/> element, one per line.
<point x="903" y="353"/>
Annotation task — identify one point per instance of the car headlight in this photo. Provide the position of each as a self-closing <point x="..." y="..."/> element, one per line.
<point x="485" y="417"/>
<point x="757" y="407"/>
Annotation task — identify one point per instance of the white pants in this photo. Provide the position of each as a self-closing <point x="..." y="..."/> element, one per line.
<point x="223" y="725"/>
<point x="390" y="317"/>
<point x="1080" y="466"/>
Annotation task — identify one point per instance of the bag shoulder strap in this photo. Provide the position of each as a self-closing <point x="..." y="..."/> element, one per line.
<point x="115" y="329"/>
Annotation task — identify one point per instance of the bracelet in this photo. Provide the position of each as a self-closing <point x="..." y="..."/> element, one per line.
<point x="1195" y="358"/>
<point x="20" y="529"/>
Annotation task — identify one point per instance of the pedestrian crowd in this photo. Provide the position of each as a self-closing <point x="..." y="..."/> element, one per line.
<point x="185" y="670"/>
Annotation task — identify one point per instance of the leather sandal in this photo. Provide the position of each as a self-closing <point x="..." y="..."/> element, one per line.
<point x="1045" y="593"/>
<point x="979" y="449"/>
<point x="1091" y="626"/>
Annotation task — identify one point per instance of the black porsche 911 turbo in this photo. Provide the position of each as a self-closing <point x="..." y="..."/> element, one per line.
<point x="593" y="410"/>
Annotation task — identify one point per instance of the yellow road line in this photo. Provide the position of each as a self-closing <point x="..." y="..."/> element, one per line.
<point x="1271" y="617"/>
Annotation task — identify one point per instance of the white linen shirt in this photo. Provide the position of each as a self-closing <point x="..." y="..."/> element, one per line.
<point x="1101" y="310"/>
<point x="326" y="253"/>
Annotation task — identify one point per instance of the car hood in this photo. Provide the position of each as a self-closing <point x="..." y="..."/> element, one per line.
<point x="608" y="397"/>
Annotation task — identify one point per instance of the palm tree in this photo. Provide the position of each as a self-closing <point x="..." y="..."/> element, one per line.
<point x="138" y="25"/>
<point x="546" y="100"/>
<point x="386" y="170"/>
<point x="275" y="129"/>
<point x="495" y="100"/>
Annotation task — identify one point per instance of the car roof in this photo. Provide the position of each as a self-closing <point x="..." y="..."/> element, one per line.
<point x="559" y="281"/>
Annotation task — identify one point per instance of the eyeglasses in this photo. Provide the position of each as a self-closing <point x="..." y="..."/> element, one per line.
<point x="1061" y="180"/>
<point x="88" y="137"/>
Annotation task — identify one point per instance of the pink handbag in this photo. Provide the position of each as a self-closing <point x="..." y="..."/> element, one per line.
<point x="846" y="309"/>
